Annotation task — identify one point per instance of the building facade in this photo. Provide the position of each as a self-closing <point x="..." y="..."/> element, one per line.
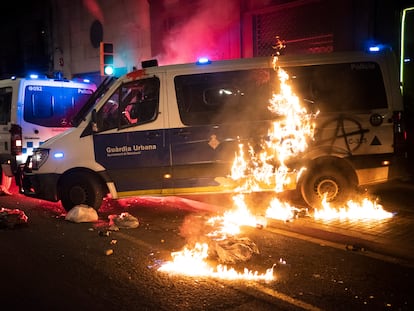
<point x="176" y="31"/>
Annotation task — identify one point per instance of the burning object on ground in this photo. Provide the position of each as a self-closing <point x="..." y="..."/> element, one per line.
<point x="9" y="218"/>
<point x="233" y="250"/>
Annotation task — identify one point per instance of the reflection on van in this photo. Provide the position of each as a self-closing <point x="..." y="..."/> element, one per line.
<point x="176" y="129"/>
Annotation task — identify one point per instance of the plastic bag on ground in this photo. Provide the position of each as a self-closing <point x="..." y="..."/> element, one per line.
<point x="82" y="213"/>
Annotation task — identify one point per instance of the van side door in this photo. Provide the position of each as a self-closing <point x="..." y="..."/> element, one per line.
<point x="130" y="141"/>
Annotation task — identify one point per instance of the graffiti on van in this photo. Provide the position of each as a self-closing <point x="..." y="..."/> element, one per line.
<point x="344" y="131"/>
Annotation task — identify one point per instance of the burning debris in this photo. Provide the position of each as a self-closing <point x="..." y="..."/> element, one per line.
<point x="364" y="210"/>
<point x="10" y="218"/>
<point x="233" y="250"/>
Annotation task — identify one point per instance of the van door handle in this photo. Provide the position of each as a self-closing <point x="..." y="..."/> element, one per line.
<point x="153" y="135"/>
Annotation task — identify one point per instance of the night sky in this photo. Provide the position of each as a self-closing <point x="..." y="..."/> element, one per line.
<point x="25" y="28"/>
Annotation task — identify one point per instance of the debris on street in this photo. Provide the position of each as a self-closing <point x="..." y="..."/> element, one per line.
<point x="109" y="252"/>
<point x="104" y="233"/>
<point x="82" y="213"/>
<point x="124" y="220"/>
<point x="9" y="218"/>
<point x="233" y="250"/>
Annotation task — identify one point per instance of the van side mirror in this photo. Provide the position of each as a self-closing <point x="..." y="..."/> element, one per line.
<point x="94" y="123"/>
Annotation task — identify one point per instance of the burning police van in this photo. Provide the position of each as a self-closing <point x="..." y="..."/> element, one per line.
<point x="230" y="126"/>
<point x="33" y="109"/>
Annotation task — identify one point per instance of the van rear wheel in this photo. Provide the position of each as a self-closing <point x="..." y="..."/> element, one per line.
<point x="81" y="188"/>
<point x="332" y="182"/>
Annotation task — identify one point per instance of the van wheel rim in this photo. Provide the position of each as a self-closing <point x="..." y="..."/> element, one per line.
<point x="327" y="187"/>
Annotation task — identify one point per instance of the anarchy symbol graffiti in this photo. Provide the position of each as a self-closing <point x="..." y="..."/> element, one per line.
<point x="345" y="132"/>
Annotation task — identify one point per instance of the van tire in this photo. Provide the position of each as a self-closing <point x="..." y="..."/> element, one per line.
<point x="337" y="183"/>
<point x="81" y="188"/>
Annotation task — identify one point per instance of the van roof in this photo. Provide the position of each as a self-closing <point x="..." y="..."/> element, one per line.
<point x="261" y="62"/>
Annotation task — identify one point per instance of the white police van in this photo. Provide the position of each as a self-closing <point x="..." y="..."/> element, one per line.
<point x="32" y="110"/>
<point x="175" y="130"/>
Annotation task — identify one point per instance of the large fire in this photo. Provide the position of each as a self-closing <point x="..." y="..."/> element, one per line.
<point x="288" y="136"/>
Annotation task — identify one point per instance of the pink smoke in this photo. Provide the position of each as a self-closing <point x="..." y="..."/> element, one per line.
<point x="208" y="32"/>
<point x="93" y="8"/>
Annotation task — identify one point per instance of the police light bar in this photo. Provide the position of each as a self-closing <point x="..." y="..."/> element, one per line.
<point x="203" y="61"/>
<point x="375" y="48"/>
<point x="149" y="63"/>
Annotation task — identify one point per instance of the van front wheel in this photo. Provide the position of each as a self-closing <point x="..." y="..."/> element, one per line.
<point x="81" y="188"/>
<point x="335" y="184"/>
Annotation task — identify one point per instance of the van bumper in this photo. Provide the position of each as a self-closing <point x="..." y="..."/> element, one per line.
<point x="40" y="186"/>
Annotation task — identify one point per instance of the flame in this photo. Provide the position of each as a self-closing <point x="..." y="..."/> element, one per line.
<point x="364" y="210"/>
<point x="288" y="137"/>
<point x="281" y="210"/>
<point x="231" y="221"/>
<point x="192" y="262"/>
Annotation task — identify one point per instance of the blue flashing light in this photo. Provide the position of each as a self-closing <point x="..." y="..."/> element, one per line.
<point x="375" y="48"/>
<point x="203" y="61"/>
<point x="58" y="155"/>
<point x="86" y="80"/>
<point x="34" y="76"/>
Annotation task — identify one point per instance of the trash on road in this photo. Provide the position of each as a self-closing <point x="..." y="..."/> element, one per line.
<point x="82" y="213"/>
<point x="233" y="249"/>
<point x="9" y="218"/>
<point x="109" y="251"/>
<point x="124" y="220"/>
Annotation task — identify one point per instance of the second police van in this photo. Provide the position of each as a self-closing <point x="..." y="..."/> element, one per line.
<point x="32" y="110"/>
<point x="175" y="130"/>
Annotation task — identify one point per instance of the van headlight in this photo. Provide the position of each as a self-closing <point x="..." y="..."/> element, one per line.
<point x="39" y="157"/>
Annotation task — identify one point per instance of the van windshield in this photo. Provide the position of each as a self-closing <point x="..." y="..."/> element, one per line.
<point x="53" y="106"/>
<point x="90" y="103"/>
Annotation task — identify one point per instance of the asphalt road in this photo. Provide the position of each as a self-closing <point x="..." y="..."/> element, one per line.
<point x="54" y="264"/>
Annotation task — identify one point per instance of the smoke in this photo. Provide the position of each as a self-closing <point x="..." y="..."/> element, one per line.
<point x="207" y="31"/>
<point x="94" y="9"/>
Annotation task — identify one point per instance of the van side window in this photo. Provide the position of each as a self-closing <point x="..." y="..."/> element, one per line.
<point x="107" y="116"/>
<point x="342" y="87"/>
<point x="139" y="102"/>
<point x="5" y="104"/>
<point x="132" y="104"/>
<point x="222" y="97"/>
<point x="53" y="106"/>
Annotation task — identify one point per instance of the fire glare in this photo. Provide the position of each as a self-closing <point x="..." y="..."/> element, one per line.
<point x="192" y="262"/>
<point x="288" y="136"/>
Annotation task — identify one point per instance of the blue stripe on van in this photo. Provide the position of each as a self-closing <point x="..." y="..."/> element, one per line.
<point x="173" y="159"/>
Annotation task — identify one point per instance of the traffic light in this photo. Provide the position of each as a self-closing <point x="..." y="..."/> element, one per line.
<point x="107" y="59"/>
